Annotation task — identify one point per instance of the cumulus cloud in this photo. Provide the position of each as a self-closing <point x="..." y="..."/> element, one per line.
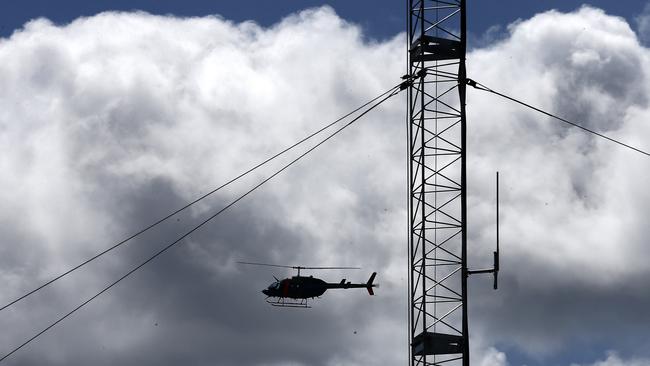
<point x="114" y="120"/>
<point x="493" y="357"/>
<point x="573" y="228"/>
<point x="613" y="359"/>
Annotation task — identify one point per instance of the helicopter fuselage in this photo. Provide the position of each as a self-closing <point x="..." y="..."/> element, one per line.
<point x="297" y="287"/>
<point x="301" y="287"/>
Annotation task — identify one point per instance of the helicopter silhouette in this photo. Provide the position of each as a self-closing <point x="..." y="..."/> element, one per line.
<point x="294" y="291"/>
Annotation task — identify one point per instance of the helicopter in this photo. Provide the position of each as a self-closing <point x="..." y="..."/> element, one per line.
<point x="294" y="291"/>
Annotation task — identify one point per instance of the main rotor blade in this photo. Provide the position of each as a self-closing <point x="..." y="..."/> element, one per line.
<point x="266" y="264"/>
<point x="327" y="267"/>
<point x="294" y="267"/>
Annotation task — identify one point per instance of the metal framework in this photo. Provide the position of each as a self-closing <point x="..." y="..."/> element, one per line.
<point x="438" y="329"/>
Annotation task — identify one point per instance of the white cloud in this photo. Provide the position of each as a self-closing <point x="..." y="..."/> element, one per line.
<point x="114" y="120"/>
<point x="572" y="205"/>
<point x="613" y="359"/>
<point x="482" y="353"/>
<point x="493" y="357"/>
<point x="562" y="186"/>
<point x="111" y="121"/>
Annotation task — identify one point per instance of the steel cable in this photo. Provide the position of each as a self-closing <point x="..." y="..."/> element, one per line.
<point x="480" y="86"/>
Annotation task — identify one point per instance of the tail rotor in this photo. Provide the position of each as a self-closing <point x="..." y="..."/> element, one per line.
<point x="370" y="285"/>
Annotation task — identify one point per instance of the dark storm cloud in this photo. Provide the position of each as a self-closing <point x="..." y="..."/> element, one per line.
<point x="547" y="313"/>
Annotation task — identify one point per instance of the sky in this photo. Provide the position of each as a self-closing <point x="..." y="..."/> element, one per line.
<point x="110" y="120"/>
<point x="379" y="19"/>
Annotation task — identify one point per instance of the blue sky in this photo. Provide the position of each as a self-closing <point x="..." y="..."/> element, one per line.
<point x="380" y="19"/>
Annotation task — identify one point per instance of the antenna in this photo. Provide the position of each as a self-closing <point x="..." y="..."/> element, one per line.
<point x="495" y="267"/>
<point x="496" y="254"/>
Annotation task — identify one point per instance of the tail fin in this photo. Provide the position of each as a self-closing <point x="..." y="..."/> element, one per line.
<point x="369" y="284"/>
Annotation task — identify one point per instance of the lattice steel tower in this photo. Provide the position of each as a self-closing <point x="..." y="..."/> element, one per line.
<point x="437" y="187"/>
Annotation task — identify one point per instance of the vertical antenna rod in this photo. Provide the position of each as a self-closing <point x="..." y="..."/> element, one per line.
<point x="496" y="254"/>
<point x="495" y="268"/>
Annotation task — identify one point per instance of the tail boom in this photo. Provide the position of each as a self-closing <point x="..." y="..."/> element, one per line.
<point x="345" y="285"/>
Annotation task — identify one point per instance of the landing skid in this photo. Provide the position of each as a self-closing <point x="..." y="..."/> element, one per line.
<point x="286" y="302"/>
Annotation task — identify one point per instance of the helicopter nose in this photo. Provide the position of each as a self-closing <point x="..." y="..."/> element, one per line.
<point x="265" y="292"/>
